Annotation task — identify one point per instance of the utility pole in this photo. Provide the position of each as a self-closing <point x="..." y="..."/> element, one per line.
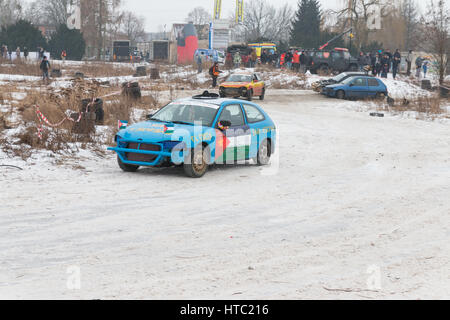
<point x="100" y="24"/>
<point x="350" y="8"/>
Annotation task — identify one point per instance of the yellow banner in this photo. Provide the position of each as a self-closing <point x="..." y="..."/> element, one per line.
<point x="239" y="11"/>
<point x="217" y="9"/>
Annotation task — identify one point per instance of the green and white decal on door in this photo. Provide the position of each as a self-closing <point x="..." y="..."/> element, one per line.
<point x="238" y="149"/>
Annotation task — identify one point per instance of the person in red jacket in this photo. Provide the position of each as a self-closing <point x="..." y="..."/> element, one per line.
<point x="296" y="61"/>
<point x="282" y="60"/>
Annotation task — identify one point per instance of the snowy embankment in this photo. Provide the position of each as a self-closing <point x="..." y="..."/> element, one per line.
<point x="354" y="207"/>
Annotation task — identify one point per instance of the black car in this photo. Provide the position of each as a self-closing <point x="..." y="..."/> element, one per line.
<point x="319" y="85"/>
<point x="330" y="61"/>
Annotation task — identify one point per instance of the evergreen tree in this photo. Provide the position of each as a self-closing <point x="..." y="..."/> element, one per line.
<point x="70" y="40"/>
<point x="22" y="34"/>
<point x="305" y="31"/>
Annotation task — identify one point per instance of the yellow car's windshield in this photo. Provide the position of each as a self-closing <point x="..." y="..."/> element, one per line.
<point x="239" y="78"/>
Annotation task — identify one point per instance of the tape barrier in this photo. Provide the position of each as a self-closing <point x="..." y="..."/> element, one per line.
<point x="43" y="119"/>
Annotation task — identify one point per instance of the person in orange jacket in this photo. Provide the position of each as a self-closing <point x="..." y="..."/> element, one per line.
<point x="214" y="72"/>
<point x="296" y="61"/>
<point x="282" y="59"/>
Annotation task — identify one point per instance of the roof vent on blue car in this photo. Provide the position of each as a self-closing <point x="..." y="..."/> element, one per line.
<point x="206" y="95"/>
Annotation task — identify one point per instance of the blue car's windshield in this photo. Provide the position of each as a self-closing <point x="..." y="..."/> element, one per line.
<point x="187" y="113"/>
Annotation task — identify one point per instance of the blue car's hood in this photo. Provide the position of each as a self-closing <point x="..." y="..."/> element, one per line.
<point x="155" y="131"/>
<point x="334" y="86"/>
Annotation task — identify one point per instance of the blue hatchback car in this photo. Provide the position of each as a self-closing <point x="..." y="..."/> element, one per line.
<point x="359" y="87"/>
<point x="196" y="133"/>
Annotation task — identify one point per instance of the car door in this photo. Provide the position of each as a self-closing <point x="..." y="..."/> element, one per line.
<point x="358" y="88"/>
<point x="374" y="87"/>
<point x="255" y="120"/>
<point x="236" y="140"/>
<point x="257" y="85"/>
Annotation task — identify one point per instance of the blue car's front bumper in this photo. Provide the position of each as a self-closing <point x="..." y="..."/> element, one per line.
<point x="328" y="92"/>
<point x="123" y="151"/>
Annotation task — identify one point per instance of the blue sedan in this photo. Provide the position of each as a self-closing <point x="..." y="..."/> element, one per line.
<point x="359" y="87"/>
<point x="198" y="132"/>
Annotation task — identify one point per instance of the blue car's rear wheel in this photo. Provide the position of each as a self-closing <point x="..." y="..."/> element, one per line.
<point x="126" y="167"/>
<point x="380" y="96"/>
<point x="196" y="163"/>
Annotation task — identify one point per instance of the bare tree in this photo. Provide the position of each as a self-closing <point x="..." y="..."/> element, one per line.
<point x="10" y="11"/>
<point x="436" y="24"/>
<point x="97" y="19"/>
<point x="410" y="16"/>
<point x="133" y="26"/>
<point x="358" y="13"/>
<point x="199" y="16"/>
<point x="264" y="21"/>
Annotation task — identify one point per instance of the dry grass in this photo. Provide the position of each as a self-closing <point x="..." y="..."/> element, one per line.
<point x="20" y="67"/>
<point x="425" y="107"/>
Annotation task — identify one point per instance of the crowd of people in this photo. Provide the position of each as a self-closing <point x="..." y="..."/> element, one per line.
<point x="7" y="53"/>
<point x="382" y="63"/>
<point x="379" y="63"/>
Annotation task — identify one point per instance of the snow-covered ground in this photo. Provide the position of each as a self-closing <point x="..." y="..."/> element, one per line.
<point x="353" y="207"/>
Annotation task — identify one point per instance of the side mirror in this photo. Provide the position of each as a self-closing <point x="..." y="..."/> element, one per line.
<point x="351" y="84"/>
<point x="149" y="116"/>
<point x="224" y="124"/>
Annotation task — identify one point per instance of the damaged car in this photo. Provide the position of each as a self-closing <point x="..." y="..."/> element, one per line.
<point x="196" y="133"/>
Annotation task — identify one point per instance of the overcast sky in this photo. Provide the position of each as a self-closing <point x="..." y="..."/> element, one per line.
<point x="160" y="12"/>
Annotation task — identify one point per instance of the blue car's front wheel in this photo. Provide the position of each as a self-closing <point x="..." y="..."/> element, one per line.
<point x="126" y="167"/>
<point x="340" y="94"/>
<point x="196" y="163"/>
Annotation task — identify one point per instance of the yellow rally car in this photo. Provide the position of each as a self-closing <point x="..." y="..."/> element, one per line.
<point x="245" y="85"/>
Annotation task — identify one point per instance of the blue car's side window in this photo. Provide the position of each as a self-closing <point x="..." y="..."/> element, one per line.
<point x="253" y="114"/>
<point x="232" y="113"/>
<point x="373" y="83"/>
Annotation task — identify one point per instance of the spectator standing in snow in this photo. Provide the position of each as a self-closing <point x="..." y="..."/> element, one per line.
<point x="253" y="58"/>
<point x="199" y="63"/>
<point x="18" y="53"/>
<point x="396" y="63"/>
<point x="425" y="68"/>
<point x="245" y="60"/>
<point x="237" y="60"/>
<point x="214" y="72"/>
<point x="385" y="69"/>
<point x="25" y="53"/>
<point x="409" y="63"/>
<point x="361" y="61"/>
<point x="378" y="64"/>
<point x="45" y="67"/>
<point x="303" y="62"/>
<point x="288" y="60"/>
<point x="419" y="62"/>
<point x="296" y="61"/>
<point x="389" y="57"/>
<point x="384" y="62"/>
<point x="63" y="55"/>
